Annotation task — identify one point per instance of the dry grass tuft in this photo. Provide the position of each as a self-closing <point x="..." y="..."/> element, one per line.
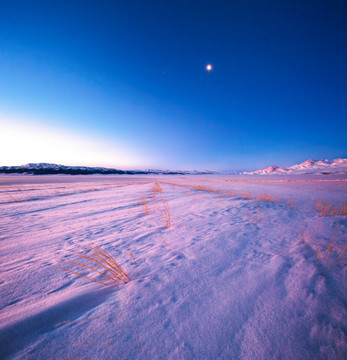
<point x="203" y="188"/>
<point x="165" y="213"/>
<point x="188" y="189"/>
<point x="327" y="209"/>
<point x="324" y="253"/>
<point x="162" y="206"/>
<point x="256" y="218"/>
<point x="229" y="193"/>
<point x="291" y="204"/>
<point x="144" y="203"/>
<point x="101" y="263"/>
<point x="268" y="197"/>
<point x="246" y="195"/>
<point x="155" y="190"/>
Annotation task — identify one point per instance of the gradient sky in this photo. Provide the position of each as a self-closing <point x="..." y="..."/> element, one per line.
<point x="123" y="83"/>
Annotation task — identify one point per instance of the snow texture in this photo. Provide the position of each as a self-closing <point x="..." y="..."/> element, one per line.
<point x="244" y="270"/>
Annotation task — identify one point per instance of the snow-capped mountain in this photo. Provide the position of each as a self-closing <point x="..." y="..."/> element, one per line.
<point x="46" y="169"/>
<point x="269" y="170"/>
<point x="336" y="166"/>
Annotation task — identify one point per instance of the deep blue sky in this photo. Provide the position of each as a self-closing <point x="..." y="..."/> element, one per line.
<point x="129" y="78"/>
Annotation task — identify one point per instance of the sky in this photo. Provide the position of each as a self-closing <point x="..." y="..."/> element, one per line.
<point x="124" y="84"/>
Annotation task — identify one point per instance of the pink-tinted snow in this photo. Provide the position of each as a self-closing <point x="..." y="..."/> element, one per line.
<point x="231" y="278"/>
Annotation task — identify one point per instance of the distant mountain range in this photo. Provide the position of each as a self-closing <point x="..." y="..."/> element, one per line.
<point x="336" y="166"/>
<point x="49" y="169"/>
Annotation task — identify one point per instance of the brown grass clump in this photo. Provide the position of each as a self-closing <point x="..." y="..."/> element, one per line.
<point x="229" y="193"/>
<point x="307" y="238"/>
<point x="330" y="247"/>
<point x="203" y="188"/>
<point x="254" y="218"/>
<point x="327" y="209"/>
<point x="101" y="263"/>
<point x="291" y="204"/>
<point x="165" y="213"/>
<point x="268" y="197"/>
<point x="188" y="189"/>
<point x="257" y="217"/>
<point x="246" y="195"/>
<point x="144" y="203"/>
<point x="324" y="253"/>
<point x="162" y="206"/>
<point x="155" y="190"/>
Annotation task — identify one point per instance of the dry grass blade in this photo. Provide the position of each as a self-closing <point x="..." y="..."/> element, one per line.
<point x="257" y="217"/>
<point x="165" y="213"/>
<point x="114" y="263"/>
<point x="81" y="275"/>
<point x="133" y="258"/>
<point x="132" y="326"/>
<point x="268" y="197"/>
<point x="246" y="195"/>
<point x="155" y="190"/>
<point x="108" y="341"/>
<point x="291" y="204"/>
<point x="327" y="209"/>
<point x="341" y="253"/>
<point x="331" y="244"/>
<point x="109" y="268"/>
<point x="144" y="204"/>
<point x="330" y="253"/>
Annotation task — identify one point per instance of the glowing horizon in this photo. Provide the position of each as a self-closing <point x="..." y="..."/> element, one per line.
<point x="25" y="141"/>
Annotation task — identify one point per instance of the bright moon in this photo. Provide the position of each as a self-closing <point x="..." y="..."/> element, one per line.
<point x="209" y="67"/>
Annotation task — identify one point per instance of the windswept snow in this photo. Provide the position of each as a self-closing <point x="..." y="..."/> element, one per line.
<point x="248" y="268"/>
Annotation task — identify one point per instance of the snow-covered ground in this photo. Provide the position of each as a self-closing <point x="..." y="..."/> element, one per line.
<point x="234" y="268"/>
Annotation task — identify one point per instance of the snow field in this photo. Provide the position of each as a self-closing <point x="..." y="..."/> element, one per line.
<point x="229" y="276"/>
